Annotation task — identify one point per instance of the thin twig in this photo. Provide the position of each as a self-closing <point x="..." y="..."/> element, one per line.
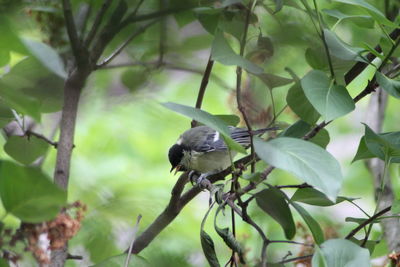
<point x="163" y="35"/>
<point x="41" y="136"/>
<point x="97" y="22"/>
<point x="74" y="257"/>
<point x="124" y="44"/>
<point x="368" y="221"/>
<point x="295" y="259"/>
<point x="135" y="229"/>
<point x="292" y="242"/>
<point x="203" y="86"/>
<point x="239" y="79"/>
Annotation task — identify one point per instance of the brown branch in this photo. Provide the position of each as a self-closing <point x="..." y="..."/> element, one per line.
<point x="71" y="30"/>
<point x="295" y="259"/>
<point x="368" y="221"/>
<point x="203" y="86"/>
<point x="41" y="136"/>
<point x="239" y="80"/>
<point x="97" y="22"/>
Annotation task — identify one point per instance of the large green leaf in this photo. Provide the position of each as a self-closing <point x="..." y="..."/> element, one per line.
<point x="209" y="249"/>
<point x="383" y="148"/>
<point x="389" y="85"/>
<point x="342" y="252"/>
<point x="312" y="224"/>
<point x="207" y="119"/>
<point x="392" y="139"/>
<point x="331" y="101"/>
<point x="360" y="20"/>
<point x="312" y="196"/>
<point x="47" y="56"/>
<point x="273" y="202"/>
<point x="298" y="102"/>
<point x="306" y="160"/>
<point x="373" y="11"/>
<point x="272" y="80"/>
<point x="119" y="260"/>
<point x="341" y="50"/>
<point x="28" y="193"/>
<point x="25" y="150"/>
<point x="301" y="128"/>
<point x="222" y="52"/>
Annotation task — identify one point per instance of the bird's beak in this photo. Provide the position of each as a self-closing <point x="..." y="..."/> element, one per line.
<point x="177" y="168"/>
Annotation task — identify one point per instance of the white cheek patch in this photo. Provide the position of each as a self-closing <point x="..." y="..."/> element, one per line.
<point x="179" y="142"/>
<point x="216" y="136"/>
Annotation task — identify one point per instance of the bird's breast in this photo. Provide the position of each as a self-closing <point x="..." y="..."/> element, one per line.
<point x="210" y="161"/>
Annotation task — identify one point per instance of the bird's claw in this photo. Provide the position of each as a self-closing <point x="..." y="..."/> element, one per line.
<point x="197" y="180"/>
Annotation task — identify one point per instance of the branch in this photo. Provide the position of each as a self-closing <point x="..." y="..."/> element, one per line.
<point x="203" y="86"/>
<point x="239" y="79"/>
<point x="124" y="44"/>
<point x="71" y="29"/>
<point x="41" y="136"/>
<point x="135" y="229"/>
<point x="368" y="221"/>
<point x="97" y="22"/>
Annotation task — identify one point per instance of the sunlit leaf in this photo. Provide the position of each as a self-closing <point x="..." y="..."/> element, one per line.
<point x="389" y="85"/>
<point x="360" y="20"/>
<point x="207" y="119"/>
<point x="331" y="101"/>
<point x="305" y="160"/>
<point x="273" y="202"/>
<point x="312" y="224"/>
<point x="222" y="52"/>
<point x="342" y="252"/>
<point x="134" y="79"/>
<point x="25" y="149"/>
<point x="395" y="206"/>
<point x="28" y="193"/>
<point x="300" y="105"/>
<point x="383" y="148"/>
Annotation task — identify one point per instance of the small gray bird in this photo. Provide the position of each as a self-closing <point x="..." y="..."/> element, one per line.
<point x="203" y="150"/>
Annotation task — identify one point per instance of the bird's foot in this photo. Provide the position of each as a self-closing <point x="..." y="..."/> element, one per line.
<point x="198" y="179"/>
<point x="193" y="177"/>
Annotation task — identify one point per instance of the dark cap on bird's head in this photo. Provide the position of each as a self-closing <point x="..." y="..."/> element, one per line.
<point x="175" y="155"/>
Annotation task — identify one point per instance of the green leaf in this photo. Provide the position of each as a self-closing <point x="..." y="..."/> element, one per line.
<point x="119" y="260"/>
<point x="370" y="244"/>
<point x="301" y="128"/>
<point x="393" y="140"/>
<point x="389" y="85"/>
<point x="25" y="149"/>
<point x="278" y="5"/>
<point x="134" y="79"/>
<point x="4" y="263"/>
<point x="312" y="224"/>
<point x="395" y="206"/>
<point x="272" y="80"/>
<point x="318" y="258"/>
<point x="314" y="197"/>
<point x="341" y="50"/>
<point x="331" y="101"/>
<point x="373" y="11"/>
<point x="381" y="147"/>
<point x="28" y="193"/>
<point x="306" y="160"/>
<point x="222" y="52"/>
<point x="209" y="249"/>
<point x="360" y="220"/>
<point x="47" y="56"/>
<point x="208" y="18"/>
<point x="298" y="102"/>
<point x="273" y="202"/>
<point x="232" y="120"/>
<point x="252" y="177"/>
<point x="360" y="20"/>
<point x="342" y="252"/>
<point x="207" y="119"/>
<point x="230" y="241"/>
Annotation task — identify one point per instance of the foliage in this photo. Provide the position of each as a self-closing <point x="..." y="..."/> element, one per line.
<point x="298" y="65"/>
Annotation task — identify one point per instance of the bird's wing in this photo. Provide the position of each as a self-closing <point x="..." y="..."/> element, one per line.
<point x="213" y="140"/>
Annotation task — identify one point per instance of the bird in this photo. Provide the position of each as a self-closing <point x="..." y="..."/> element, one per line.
<point x="202" y="150"/>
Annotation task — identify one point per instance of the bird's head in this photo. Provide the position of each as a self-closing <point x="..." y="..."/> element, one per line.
<point x="175" y="156"/>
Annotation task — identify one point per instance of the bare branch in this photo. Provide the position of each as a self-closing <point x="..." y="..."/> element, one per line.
<point x="97" y="22"/>
<point x="71" y="29"/>
<point x="124" y="44"/>
<point x="41" y="136"/>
